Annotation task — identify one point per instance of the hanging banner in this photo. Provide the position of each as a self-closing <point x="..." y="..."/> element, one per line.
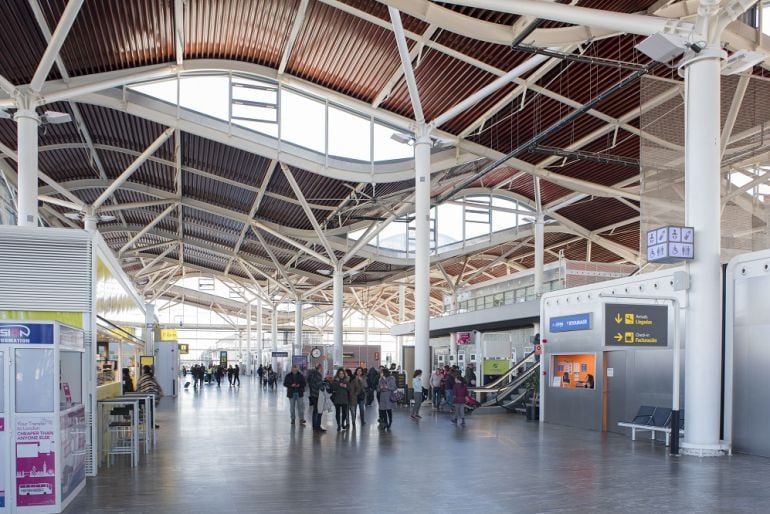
<point x="35" y="462"/>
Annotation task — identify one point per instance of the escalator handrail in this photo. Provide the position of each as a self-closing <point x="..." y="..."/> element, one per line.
<point x="493" y="386"/>
<point x="504" y="392"/>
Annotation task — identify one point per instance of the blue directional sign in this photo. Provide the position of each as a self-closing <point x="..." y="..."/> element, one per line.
<point x="26" y="333"/>
<point x="570" y="323"/>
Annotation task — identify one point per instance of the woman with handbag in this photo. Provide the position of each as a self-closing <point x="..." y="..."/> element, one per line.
<point x="386" y="387"/>
<point x="341" y="398"/>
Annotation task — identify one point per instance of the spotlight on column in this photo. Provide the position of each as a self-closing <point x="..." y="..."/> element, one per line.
<point x="662" y="47"/>
<point x="404" y="139"/>
<point x="55" y="118"/>
<point x="741" y="61"/>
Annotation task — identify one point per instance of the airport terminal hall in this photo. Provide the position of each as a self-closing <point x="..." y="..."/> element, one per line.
<point x="474" y="256"/>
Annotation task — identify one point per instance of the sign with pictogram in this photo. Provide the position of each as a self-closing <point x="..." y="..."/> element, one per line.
<point x="670" y="244"/>
<point x="635" y="325"/>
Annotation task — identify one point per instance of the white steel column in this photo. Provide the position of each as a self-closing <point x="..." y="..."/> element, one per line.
<point x="149" y="329"/>
<point x="453" y="347"/>
<point x="337" y="304"/>
<point x="702" y="211"/>
<point x="274" y="326"/>
<point x="422" y="249"/>
<point x="27" y="122"/>
<point x="401" y="319"/>
<point x="248" y="338"/>
<point x="89" y="222"/>
<point x="297" y="346"/>
<point x="539" y="254"/>
<point x="260" y="340"/>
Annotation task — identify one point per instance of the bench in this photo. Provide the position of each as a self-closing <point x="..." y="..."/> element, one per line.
<point x="653" y="420"/>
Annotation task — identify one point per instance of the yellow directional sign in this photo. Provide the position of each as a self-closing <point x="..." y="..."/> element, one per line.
<point x="635" y="325"/>
<point x="168" y="334"/>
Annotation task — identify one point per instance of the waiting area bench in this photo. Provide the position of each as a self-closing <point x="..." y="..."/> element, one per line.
<point x="653" y="420"/>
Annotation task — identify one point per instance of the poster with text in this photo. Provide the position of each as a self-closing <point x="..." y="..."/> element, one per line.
<point x="3" y="461"/>
<point x="35" y="461"/>
<point x="73" y="450"/>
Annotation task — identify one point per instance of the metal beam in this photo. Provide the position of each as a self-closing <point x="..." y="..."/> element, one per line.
<point x="133" y="167"/>
<point x="179" y="31"/>
<point x="308" y="212"/>
<point x="399" y="73"/>
<point x="406" y="64"/>
<point x="55" y="44"/>
<point x="299" y="18"/>
<point x="732" y="114"/>
<point x="146" y="229"/>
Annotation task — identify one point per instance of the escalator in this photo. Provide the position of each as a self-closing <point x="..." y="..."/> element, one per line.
<point x="511" y="394"/>
<point x="505" y="378"/>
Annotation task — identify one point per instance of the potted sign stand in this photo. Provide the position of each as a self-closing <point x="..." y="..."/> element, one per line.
<point x="532" y="405"/>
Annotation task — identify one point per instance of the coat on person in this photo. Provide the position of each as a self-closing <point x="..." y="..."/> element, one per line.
<point x="460" y="392"/>
<point x="340" y="391"/>
<point x="355" y="389"/>
<point x="294" y="383"/>
<point x="314" y="382"/>
<point x="386" y="387"/>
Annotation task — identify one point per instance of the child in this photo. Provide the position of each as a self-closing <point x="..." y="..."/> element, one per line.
<point x="460" y="392"/>
<point x="417" y="386"/>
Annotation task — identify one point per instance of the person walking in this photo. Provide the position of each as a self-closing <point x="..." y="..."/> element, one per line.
<point x="417" y="387"/>
<point x="372" y="382"/>
<point x="358" y="396"/>
<point x="230" y="371"/>
<point x="449" y="384"/>
<point x="295" y="387"/>
<point x="218" y="374"/>
<point x="386" y="387"/>
<point x="435" y="387"/>
<point x="460" y="393"/>
<point x="128" y="383"/>
<point x="261" y="374"/>
<point x="315" y="383"/>
<point x="341" y="399"/>
<point x="237" y="375"/>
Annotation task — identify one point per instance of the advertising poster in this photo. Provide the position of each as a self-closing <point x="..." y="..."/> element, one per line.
<point x="73" y="450"/>
<point x="3" y="460"/>
<point x="35" y="462"/>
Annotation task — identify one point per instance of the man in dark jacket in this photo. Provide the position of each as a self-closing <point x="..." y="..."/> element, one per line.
<point x="372" y="381"/>
<point x="314" y="383"/>
<point x="295" y="388"/>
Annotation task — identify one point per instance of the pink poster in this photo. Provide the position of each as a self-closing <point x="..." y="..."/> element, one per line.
<point x="35" y="462"/>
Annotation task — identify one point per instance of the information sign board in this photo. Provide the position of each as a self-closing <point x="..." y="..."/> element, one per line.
<point x="635" y="325"/>
<point x="570" y="323"/>
<point x="670" y="244"/>
<point x="26" y="333"/>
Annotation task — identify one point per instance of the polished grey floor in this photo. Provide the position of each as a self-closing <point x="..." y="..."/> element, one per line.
<point x="232" y="450"/>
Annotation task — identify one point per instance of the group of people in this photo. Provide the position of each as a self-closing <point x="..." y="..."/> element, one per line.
<point x="202" y="374"/>
<point x="347" y="391"/>
<point x="267" y="376"/>
<point x="451" y="388"/>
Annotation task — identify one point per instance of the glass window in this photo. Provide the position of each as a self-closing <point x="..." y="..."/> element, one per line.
<point x="574" y="371"/>
<point x="71" y="379"/>
<point x="520" y="295"/>
<point x="386" y="148"/>
<point x="34" y="380"/>
<point x="508" y="297"/>
<point x="349" y="135"/>
<point x="206" y="95"/>
<point x="503" y="219"/>
<point x="498" y="298"/>
<point x="303" y="121"/>
<point x="530" y="293"/>
<point x="488" y="302"/>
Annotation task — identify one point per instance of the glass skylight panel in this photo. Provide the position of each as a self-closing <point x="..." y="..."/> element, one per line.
<point x="162" y="90"/>
<point x="303" y="121"/>
<point x="205" y="94"/>
<point x="349" y="135"/>
<point x="385" y="148"/>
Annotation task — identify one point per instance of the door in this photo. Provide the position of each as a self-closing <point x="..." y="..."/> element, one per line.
<point x="615" y="390"/>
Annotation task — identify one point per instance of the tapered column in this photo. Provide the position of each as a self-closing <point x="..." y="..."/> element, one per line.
<point x="539" y="254"/>
<point x="248" y="338"/>
<point x="27" y="122"/>
<point x="702" y="211"/>
<point x="297" y="346"/>
<point x="260" y="339"/>
<point x="337" y="304"/>
<point x="422" y="250"/>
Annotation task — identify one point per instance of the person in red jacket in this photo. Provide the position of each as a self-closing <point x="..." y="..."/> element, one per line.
<point x="459" y="394"/>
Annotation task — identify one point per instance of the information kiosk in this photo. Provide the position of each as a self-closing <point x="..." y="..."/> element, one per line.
<point x="42" y="416"/>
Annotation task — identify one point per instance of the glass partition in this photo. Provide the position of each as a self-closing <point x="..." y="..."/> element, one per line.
<point x="574" y="371"/>
<point x="70" y="379"/>
<point x="34" y="380"/>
